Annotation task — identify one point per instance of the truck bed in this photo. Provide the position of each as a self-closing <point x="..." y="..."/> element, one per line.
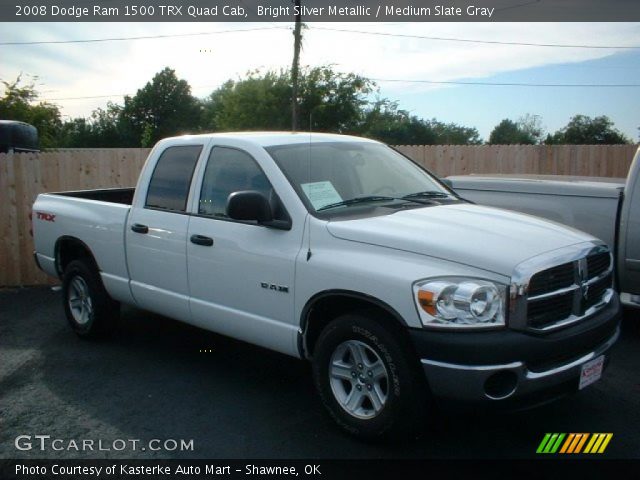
<point x="123" y="196"/>
<point x="96" y="218"/>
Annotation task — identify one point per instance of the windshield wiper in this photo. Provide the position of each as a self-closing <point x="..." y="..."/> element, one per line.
<point x="426" y="194"/>
<point x="353" y="201"/>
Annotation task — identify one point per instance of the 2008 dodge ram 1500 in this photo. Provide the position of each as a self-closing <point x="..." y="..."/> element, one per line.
<point x="342" y="251"/>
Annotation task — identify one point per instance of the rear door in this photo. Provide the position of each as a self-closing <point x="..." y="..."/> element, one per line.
<point x="241" y="274"/>
<point x="156" y="234"/>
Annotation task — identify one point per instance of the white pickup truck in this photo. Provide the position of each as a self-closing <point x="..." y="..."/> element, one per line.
<point x="342" y="251"/>
<point x="608" y="208"/>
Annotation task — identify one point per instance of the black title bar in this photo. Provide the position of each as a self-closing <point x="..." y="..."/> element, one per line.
<point x="319" y="10"/>
<point x="312" y="469"/>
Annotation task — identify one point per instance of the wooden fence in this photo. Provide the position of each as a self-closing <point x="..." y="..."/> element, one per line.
<point x="24" y="176"/>
<point x="581" y="160"/>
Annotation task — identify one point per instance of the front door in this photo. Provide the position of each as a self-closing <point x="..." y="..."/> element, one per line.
<point x="241" y="274"/>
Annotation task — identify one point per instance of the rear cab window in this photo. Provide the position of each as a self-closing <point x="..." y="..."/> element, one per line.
<point x="171" y="178"/>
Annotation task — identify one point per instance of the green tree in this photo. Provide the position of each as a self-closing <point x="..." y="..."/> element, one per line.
<point x="527" y="130"/>
<point x="332" y="101"/>
<point x="104" y="129"/>
<point x="384" y="121"/>
<point x="20" y="102"/>
<point x="257" y="102"/>
<point x="454" y="134"/>
<point x="162" y="108"/>
<point x="584" y="130"/>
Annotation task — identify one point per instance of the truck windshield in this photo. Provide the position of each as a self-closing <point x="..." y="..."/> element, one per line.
<point x="337" y="175"/>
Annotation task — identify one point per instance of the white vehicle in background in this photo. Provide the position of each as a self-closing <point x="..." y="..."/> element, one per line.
<point x="607" y="208"/>
<point x="341" y="251"/>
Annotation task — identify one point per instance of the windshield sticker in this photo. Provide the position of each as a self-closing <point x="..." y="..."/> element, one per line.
<point x="321" y="194"/>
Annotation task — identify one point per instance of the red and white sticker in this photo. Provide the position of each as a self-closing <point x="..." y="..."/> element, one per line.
<point x="591" y="371"/>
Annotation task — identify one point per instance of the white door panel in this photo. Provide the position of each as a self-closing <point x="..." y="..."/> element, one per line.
<point x="241" y="281"/>
<point x="242" y="285"/>
<point x="156" y="233"/>
<point x="157" y="262"/>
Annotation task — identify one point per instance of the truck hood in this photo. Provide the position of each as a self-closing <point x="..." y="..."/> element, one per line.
<point x="488" y="238"/>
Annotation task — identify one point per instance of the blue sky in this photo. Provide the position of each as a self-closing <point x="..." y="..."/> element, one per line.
<point x="485" y="106"/>
<point x="113" y="68"/>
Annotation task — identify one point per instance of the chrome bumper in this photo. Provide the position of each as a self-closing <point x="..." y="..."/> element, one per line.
<point x="495" y="383"/>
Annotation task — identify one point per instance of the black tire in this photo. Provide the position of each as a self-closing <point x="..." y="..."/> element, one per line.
<point x="407" y="400"/>
<point x="95" y="313"/>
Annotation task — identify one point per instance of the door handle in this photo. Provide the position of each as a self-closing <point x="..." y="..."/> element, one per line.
<point x="202" y="240"/>
<point x="139" y="228"/>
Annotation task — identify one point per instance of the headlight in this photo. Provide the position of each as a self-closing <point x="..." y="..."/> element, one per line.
<point x="460" y="302"/>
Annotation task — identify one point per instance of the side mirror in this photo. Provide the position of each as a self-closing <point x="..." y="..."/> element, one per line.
<point x="249" y="205"/>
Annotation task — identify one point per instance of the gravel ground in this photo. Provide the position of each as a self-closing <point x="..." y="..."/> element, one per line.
<point x="154" y="380"/>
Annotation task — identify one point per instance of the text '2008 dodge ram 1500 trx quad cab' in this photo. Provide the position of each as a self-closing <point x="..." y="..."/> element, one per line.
<point x="340" y="250"/>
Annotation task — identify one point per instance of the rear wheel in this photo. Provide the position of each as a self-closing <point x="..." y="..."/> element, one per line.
<point x="368" y="379"/>
<point x="89" y="309"/>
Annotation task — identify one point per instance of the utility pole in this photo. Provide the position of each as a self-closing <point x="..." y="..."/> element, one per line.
<point x="295" y="68"/>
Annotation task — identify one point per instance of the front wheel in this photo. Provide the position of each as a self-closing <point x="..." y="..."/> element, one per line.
<point x="368" y="379"/>
<point x="89" y="309"/>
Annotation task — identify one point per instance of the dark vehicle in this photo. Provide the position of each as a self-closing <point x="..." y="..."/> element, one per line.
<point x="18" y="137"/>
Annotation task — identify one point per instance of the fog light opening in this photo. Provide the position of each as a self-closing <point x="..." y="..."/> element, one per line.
<point x="501" y="385"/>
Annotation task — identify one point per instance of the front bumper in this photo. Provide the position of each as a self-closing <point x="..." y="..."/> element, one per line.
<point x="513" y="369"/>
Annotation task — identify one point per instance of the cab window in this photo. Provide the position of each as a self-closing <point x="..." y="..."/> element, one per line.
<point x="171" y="178"/>
<point x="231" y="170"/>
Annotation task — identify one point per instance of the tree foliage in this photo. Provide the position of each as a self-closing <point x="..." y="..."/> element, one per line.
<point x="257" y="102"/>
<point x="384" y="121"/>
<point x="332" y="101"/>
<point x="20" y="102"/>
<point x="527" y="131"/>
<point x="329" y="101"/>
<point x="162" y="108"/>
<point x="584" y="130"/>
<point x="106" y="128"/>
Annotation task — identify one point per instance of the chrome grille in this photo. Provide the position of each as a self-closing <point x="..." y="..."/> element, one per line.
<point x="541" y="313"/>
<point x="552" y="279"/>
<point x="598" y="263"/>
<point x="596" y="290"/>
<point x="561" y="288"/>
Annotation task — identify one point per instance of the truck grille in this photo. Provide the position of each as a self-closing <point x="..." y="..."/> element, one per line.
<point x="598" y="263"/>
<point x="552" y="279"/>
<point x="570" y="291"/>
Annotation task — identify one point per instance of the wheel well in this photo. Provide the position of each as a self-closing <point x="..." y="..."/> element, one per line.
<point x="69" y="249"/>
<point x="326" y="307"/>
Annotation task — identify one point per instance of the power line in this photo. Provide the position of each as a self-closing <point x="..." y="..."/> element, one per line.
<point x="468" y="40"/>
<point x="91" y="97"/>
<point x="513" y="84"/>
<point x="434" y="82"/>
<point x="85" y="98"/>
<point x="146" y="37"/>
<point x="342" y="30"/>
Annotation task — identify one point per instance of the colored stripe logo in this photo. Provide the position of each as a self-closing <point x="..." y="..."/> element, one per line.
<point x="574" y="443"/>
